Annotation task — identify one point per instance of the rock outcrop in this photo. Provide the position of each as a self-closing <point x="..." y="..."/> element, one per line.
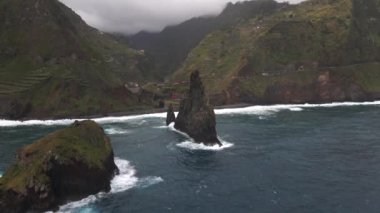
<point x="67" y="165"/>
<point x="196" y="117"/>
<point x="170" y="116"/>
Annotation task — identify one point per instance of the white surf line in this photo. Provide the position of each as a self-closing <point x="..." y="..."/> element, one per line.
<point x="171" y="127"/>
<point x="116" y="131"/>
<point x="190" y="144"/>
<point x="104" y="120"/>
<point x="124" y="181"/>
<point x="245" y="110"/>
<point x="293" y="107"/>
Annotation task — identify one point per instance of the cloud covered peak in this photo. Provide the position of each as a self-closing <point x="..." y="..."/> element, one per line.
<point x="132" y="16"/>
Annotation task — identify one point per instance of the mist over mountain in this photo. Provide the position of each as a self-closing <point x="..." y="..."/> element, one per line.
<point x="53" y="64"/>
<point x="132" y="16"/>
<point x="170" y="47"/>
<point x="278" y="106"/>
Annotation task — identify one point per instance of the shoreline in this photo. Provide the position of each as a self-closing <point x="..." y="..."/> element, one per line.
<point x="163" y="110"/>
<point x="151" y="112"/>
<point x="125" y="113"/>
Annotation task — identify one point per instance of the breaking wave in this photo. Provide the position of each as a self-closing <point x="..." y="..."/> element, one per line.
<point x="189" y="144"/>
<point x="171" y="127"/>
<point x="105" y="120"/>
<point x="257" y="110"/>
<point x="125" y="180"/>
<point x="148" y="181"/>
<point x="296" y="109"/>
<point x="161" y="127"/>
<point x="267" y="110"/>
<point x="116" y="131"/>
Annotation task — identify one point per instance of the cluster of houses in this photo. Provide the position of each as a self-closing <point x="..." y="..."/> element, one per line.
<point x="158" y="92"/>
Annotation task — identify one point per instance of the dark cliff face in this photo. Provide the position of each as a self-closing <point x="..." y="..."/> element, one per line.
<point x="196" y="117"/>
<point x="67" y="165"/>
<point x="316" y="87"/>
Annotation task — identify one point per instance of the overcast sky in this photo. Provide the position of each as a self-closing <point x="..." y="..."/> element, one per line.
<point x="132" y="16"/>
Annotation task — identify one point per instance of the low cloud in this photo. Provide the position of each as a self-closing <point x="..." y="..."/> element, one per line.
<point x="132" y="16"/>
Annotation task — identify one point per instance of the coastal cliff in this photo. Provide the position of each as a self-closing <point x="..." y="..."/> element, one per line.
<point x="66" y="165"/>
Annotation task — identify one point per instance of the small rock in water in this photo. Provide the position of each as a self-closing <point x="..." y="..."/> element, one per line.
<point x="170" y="117"/>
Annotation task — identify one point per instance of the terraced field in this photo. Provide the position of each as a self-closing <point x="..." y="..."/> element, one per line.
<point x="23" y="83"/>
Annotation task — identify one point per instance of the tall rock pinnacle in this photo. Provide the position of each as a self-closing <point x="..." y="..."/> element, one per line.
<point x="196" y="117"/>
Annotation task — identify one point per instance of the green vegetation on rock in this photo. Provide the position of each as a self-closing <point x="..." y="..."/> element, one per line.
<point x="170" y="47"/>
<point x="53" y="65"/>
<point x="70" y="163"/>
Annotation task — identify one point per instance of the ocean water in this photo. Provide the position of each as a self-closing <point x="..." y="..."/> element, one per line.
<point x="283" y="158"/>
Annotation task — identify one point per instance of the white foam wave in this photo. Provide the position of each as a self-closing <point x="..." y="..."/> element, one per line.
<point x="104" y="120"/>
<point x="81" y="203"/>
<point x="142" y="122"/>
<point x="256" y="110"/>
<point x="149" y="181"/>
<point x="189" y="144"/>
<point x="107" y="120"/>
<point x="116" y="131"/>
<point x="259" y="110"/>
<point x="1" y="174"/>
<point x="265" y="110"/>
<point x="9" y="123"/>
<point x="125" y="180"/>
<point x="171" y="127"/>
<point x="160" y="127"/>
<point x="296" y="109"/>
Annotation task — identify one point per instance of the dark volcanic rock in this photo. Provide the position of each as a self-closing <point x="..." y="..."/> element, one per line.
<point x="67" y="165"/>
<point x="170" y="117"/>
<point x="196" y="117"/>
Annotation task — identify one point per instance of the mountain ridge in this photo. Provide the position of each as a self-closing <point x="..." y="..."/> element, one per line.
<point x="53" y="64"/>
<point x="316" y="51"/>
<point x="170" y="47"/>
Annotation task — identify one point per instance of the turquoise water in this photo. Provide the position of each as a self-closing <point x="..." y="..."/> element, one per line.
<point x="286" y="158"/>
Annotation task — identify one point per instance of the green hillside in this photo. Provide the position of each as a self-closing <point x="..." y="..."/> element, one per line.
<point x="53" y="64"/>
<point x="317" y="51"/>
<point x="170" y="47"/>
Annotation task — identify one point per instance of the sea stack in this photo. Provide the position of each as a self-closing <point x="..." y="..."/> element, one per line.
<point x="170" y="116"/>
<point x="196" y="117"/>
<point x="66" y="165"/>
